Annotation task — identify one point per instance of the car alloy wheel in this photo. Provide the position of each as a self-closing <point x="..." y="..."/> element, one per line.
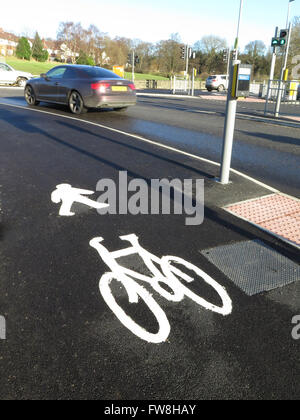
<point x="221" y="88"/>
<point x="21" y="82"/>
<point x="30" y="96"/>
<point x="76" y="103"/>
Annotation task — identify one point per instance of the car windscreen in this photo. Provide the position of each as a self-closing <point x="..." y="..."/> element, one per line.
<point x="97" y="72"/>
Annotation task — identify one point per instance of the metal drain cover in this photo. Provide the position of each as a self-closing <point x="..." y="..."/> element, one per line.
<point x="253" y="266"/>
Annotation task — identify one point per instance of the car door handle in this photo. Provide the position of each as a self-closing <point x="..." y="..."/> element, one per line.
<point x="57" y="84"/>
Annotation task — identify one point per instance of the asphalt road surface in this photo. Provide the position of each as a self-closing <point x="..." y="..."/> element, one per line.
<point x="63" y="341"/>
<point x="264" y="150"/>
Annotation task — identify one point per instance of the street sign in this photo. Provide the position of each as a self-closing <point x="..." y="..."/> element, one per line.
<point x="119" y="70"/>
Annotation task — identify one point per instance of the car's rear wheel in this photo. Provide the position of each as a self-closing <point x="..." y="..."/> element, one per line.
<point x="76" y="104"/>
<point x="21" y="82"/>
<point x="30" y="96"/>
<point x="209" y="90"/>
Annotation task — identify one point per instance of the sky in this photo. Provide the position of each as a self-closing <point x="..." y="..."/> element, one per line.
<point x="152" y="20"/>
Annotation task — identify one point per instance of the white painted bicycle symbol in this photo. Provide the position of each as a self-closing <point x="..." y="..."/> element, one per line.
<point x="169" y="275"/>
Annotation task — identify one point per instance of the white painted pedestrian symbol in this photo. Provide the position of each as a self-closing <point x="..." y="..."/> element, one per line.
<point x="169" y="275"/>
<point x="67" y="195"/>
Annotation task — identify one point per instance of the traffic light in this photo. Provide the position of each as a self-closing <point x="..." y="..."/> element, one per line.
<point x="225" y="56"/>
<point x="234" y="54"/>
<point x="136" y="59"/>
<point x="275" y="42"/>
<point x="282" y="40"/>
<point x="283" y="36"/>
<point x="129" y="58"/>
<point x="183" y="53"/>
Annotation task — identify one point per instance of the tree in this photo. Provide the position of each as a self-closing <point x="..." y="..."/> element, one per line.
<point x="85" y="59"/>
<point x="255" y="54"/>
<point x="71" y="35"/>
<point x="209" y="54"/>
<point x="255" y="49"/>
<point x="38" y="51"/>
<point x="211" y="44"/>
<point x="169" y="55"/>
<point x="294" y="56"/>
<point x="23" y="50"/>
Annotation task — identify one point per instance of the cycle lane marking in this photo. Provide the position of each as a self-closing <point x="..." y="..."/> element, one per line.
<point x="167" y="275"/>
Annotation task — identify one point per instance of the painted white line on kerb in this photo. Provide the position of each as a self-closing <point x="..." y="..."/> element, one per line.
<point x="155" y="143"/>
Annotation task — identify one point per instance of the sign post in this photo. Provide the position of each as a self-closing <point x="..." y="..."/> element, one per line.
<point x="239" y="87"/>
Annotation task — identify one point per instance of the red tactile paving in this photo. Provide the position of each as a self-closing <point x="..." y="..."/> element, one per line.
<point x="277" y="213"/>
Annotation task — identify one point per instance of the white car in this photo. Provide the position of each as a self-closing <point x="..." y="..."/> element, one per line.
<point x="218" y="82"/>
<point x="10" y="76"/>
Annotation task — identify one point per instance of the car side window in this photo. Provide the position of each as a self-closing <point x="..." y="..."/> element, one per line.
<point x="70" y="73"/>
<point x="57" y="73"/>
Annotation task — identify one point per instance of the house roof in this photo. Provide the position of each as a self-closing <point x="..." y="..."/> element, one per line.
<point x="7" y="36"/>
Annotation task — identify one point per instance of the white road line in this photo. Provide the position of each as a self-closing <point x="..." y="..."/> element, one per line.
<point x="143" y="139"/>
<point x="266" y="120"/>
<point x="262" y="119"/>
<point x="167" y="95"/>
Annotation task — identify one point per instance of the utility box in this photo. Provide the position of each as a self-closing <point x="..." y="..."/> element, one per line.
<point x="293" y="91"/>
<point x="241" y="81"/>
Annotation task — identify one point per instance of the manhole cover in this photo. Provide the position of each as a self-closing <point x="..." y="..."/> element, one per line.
<point x="253" y="266"/>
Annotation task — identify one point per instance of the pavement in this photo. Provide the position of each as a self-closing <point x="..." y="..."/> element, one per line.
<point x="63" y="339"/>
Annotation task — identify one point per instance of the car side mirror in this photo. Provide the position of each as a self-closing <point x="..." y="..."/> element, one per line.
<point x="44" y="76"/>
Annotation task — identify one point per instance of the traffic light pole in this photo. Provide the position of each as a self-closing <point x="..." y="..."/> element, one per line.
<point x="193" y="82"/>
<point x="187" y="60"/>
<point x="272" y="72"/>
<point x="274" y="56"/>
<point x="133" y="63"/>
<point x="281" y="82"/>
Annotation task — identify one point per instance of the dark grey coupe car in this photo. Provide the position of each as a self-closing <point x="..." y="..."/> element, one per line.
<point x="81" y="88"/>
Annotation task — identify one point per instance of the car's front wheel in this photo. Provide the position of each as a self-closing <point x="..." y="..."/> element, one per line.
<point x="76" y="104"/>
<point x="221" y="88"/>
<point x="30" y="96"/>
